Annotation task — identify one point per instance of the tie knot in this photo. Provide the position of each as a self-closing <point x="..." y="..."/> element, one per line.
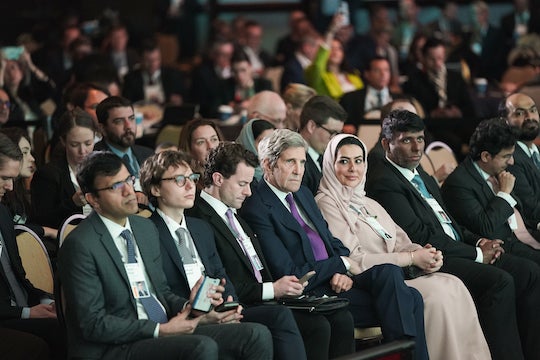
<point x="126" y="234"/>
<point x="290" y="199"/>
<point x="229" y="214"/>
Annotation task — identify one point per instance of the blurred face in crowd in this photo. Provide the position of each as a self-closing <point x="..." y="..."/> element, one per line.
<point x="523" y="115"/>
<point x="434" y="59"/>
<point x="253" y="37"/>
<point x="13" y="73"/>
<point x="93" y="98"/>
<point x="349" y="165"/>
<point x="223" y="55"/>
<point x="378" y="74"/>
<point x="79" y="142"/>
<point x="203" y="139"/>
<point x="9" y="170"/>
<point x="287" y="173"/>
<point x="28" y="166"/>
<point x="5" y="105"/>
<point x="120" y="129"/>
<point x="336" y="53"/>
<point x="152" y="61"/>
<point x="405" y="148"/>
<point x="243" y="73"/>
<point x="322" y="134"/>
<point x="119" y="39"/>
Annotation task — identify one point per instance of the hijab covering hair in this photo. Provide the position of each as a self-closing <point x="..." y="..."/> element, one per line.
<point x="330" y="186"/>
<point x="250" y="131"/>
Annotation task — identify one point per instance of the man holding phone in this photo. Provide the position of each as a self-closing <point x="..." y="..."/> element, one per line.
<point x="189" y="251"/>
<point x="228" y="176"/>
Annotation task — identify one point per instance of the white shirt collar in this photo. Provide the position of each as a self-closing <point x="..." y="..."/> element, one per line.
<point x="217" y="205"/>
<point x="314" y="156"/>
<point x="408" y="174"/>
<point x="280" y="194"/>
<point x="528" y="150"/>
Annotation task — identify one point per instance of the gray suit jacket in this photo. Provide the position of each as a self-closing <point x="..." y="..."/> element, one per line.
<point x="100" y="309"/>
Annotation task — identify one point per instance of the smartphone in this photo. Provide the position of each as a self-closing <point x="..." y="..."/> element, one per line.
<point x="343" y="9"/>
<point x="12" y="52"/>
<point x="226" y="306"/>
<point x="306" y="277"/>
<point x="202" y="301"/>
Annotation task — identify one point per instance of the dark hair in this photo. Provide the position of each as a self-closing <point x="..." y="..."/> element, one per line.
<point x="225" y="159"/>
<point x="8" y="150"/>
<point x="319" y="109"/>
<point x="97" y="163"/>
<point x="154" y="167"/>
<point x="149" y="45"/>
<point x="502" y="110"/>
<point x="78" y="93"/>
<point x="400" y="121"/>
<point x="350" y="140"/>
<point x="259" y="126"/>
<point x="112" y="102"/>
<point x="491" y="135"/>
<point x="375" y="58"/>
<point x="239" y="55"/>
<point x="15" y="134"/>
<point x="186" y="135"/>
<point x="16" y="200"/>
<point x="73" y="118"/>
<point x="430" y="44"/>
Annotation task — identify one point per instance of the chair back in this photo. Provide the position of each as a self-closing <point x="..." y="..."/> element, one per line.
<point x="440" y="153"/>
<point x="35" y="260"/>
<point x="69" y="224"/>
<point x="369" y="134"/>
<point x="426" y="164"/>
<point x="169" y="133"/>
<point x="274" y="75"/>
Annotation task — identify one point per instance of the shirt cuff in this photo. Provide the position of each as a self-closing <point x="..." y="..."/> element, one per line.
<point x="25" y="314"/>
<point x="46" y="300"/>
<point x="156" y="331"/>
<point x="509" y="199"/>
<point x="267" y="291"/>
<point x="345" y="263"/>
<point x="479" y="255"/>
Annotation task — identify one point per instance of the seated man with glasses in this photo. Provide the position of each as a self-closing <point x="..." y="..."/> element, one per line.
<point x="321" y="119"/>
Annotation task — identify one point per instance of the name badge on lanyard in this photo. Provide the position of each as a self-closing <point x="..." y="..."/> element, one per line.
<point x="137" y="281"/>
<point x="438" y="210"/>
<point x="193" y="273"/>
<point x="375" y="225"/>
<point x="251" y="253"/>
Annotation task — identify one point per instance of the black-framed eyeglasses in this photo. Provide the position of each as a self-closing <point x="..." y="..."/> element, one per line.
<point x="332" y="133"/>
<point x="130" y="180"/>
<point x="180" y="180"/>
<point x="7" y="103"/>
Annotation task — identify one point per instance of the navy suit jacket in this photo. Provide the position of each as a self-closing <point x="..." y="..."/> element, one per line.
<point x="236" y="262"/>
<point x="292" y="73"/>
<point x="527" y="185"/>
<point x="472" y="202"/>
<point x="171" y="80"/>
<point x="312" y="175"/>
<point x="141" y="152"/>
<point x="203" y="237"/>
<point x="411" y="212"/>
<point x="285" y="244"/>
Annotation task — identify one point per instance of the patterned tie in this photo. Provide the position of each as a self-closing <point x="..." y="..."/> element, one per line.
<point x="536" y="159"/>
<point x="236" y="233"/>
<point x="421" y="187"/>
<point x="379" y="100"/>
<point x="317" y="244"/>
<point x="183" y="246"/>
<point x="320" y="160"/>
<point x="17" y="291"/>
<point x="127" y="161"/>
<point x="151" y="305"/>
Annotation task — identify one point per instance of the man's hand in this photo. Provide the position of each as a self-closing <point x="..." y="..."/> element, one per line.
<point x="226" y="317"/>
<point x="491" y="249"/>
<point x="341" y="283"/>
<point x="42" y="311"/>
<point x="443" y="171"/>
<point x="179" y="324"/>
<point x="506" y="181"/>
<point x="215" y="293"/>
<point x="287" y="286"/>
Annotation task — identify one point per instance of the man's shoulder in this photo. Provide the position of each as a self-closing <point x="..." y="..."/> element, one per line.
<point x="101" y="145"/>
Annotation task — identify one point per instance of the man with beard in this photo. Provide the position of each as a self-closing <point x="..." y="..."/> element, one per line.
<point x="521" y="113"/>
<point x="117" y="125"/>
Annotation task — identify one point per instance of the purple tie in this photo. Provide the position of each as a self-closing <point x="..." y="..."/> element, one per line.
<point x="317" y="244"/>
<point x="238" y="236"/>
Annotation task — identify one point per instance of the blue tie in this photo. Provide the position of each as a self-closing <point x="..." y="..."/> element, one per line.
<point x="151" y="305"/>
<point x="536" y="159"/>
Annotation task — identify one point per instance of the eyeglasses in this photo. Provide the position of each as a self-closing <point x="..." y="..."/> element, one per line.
<point x="130" y="180"/>
<point x="5" y="103"/>
<point x="332" y="133"/>
<point x="181" y="179"/>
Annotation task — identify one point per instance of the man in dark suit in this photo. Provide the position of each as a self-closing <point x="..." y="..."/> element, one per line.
<point x="117" y="125"/>
<point x="479" y="192"/>
<point x="321" y="119"/>
<point x="189" y="250"/>
<point x="22" y="306"/>
<point x="373" y="96"/>
<point x="522" y="114"/>
<point x="293" y="69"/>
<point x="103" y="259"/>
<point x="295" y="239"/>
<point x="414" y="201"/>
<point x="229" y="173"/>
<point x="154" y="82"/>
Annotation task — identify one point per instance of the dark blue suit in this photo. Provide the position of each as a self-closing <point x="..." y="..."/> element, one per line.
<point x="292" y="73"/>
<point x="379" y="295"/>
<point x="288" y="343"/>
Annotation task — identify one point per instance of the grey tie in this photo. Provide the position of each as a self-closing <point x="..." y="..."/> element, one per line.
<point x="536" y="159"/>
<point x="17" y="292"/>
<point x="184" y="245"/>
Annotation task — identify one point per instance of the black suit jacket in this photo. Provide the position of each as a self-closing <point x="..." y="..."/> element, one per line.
<point x="292" y="73"/>
<point x="227" y="89"/>
<point x="236" y="262"/>
<point x="285" y="244"/>
<point x="204" y="89"/>
<point x="411" y="212"/>
<point x="472" y="202"/>
<point x="527" y="185"/>
<point x="52" y="192"/>
<point x="354" y="104"/>
<point x="312" y="175"/>
<point x="7" y="311"/>
<point x="141" y="152"/>
<point x="173" y="267"/>
<point x="171" y="80"/>
<point x="100" y="309"/>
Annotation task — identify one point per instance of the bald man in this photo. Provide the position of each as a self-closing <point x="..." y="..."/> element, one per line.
<point x="522" y="114"/>
<point x="268" y="105"/>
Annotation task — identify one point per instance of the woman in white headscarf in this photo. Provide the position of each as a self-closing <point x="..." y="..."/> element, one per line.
<point x="451" y="320"/>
